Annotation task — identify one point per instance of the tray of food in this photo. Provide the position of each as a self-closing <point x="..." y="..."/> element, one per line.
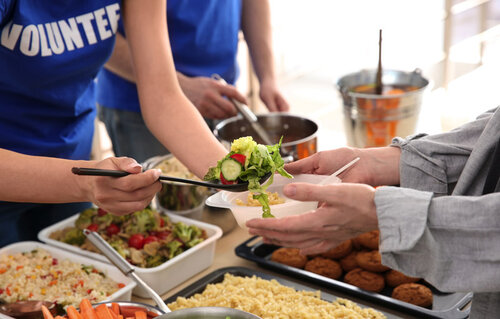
<point x="156" y="244"/>
<point x="36" y="271"/>
<point x="267" y="296"/>
<point x="354" y="268"/>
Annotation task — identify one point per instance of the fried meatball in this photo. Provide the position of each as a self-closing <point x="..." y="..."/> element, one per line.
<point x="366" y="280"/>
<point x="415" y="294"/>
<point x="349" y="262"/>
<point x="369" y="240"/>
<point x="339" y="251"/>
<point x="371" y="261"/>
<point x="290" y="257"/>
<point x="395" y="278"/>
<point x="325" y="267"/>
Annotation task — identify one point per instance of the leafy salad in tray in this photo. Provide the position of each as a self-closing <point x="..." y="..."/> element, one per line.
<point x="249" y="162"/>
<point x="145" y="238"/>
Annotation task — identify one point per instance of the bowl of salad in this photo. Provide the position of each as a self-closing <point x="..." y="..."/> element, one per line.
<point x="244" y="207"/>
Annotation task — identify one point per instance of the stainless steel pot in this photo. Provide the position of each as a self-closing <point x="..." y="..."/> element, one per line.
<point x="299" y="133"/>
<point x="372" y="120"/>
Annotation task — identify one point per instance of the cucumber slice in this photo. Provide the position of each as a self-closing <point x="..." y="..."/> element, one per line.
<point x="231" y="169"/>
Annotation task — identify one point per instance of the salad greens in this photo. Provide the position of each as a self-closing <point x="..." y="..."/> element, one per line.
<point x="259" y="160"/>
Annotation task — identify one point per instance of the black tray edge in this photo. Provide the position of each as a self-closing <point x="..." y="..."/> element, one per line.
<point x="245" y="251"/>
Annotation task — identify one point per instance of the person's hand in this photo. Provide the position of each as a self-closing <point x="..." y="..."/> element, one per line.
<point x="345" y="211"/>
<point x="377" y="166"/>
<point x="126" y="194"/>
<point x="209" y="96"/>
<point x="272" y="98"/>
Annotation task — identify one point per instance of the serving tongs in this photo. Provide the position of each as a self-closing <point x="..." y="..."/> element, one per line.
<point x="237" y="187"/>
<point x="123" y="265"/>
<point x="248" y="115"/>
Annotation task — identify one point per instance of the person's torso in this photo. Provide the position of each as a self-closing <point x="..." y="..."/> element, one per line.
<point x="50" y="53"/>
<point x="204" y="40"/>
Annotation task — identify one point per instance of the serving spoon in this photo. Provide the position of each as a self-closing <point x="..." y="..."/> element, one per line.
<point x="237" y="187"/>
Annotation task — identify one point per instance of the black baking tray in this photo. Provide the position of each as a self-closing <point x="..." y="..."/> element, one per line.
<point x="445" y="305"/>
<point x="217" y="276"/>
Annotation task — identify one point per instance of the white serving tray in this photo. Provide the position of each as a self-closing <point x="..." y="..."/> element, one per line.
<point x="161" y="278"/>
<point x="123" y="294"/>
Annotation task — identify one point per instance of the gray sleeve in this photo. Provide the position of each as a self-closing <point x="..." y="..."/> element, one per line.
<point x="434" y="163"/>
<point x="451" y="241"/>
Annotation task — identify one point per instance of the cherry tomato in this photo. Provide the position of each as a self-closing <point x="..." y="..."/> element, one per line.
<point x="101" y="212"/>
<point x="225" y="181"/>
<point x="161" y="234"/>
<point x="150" y="239"/>
<point x="240" y="158"/>
<point x="93" y="227"/>
<point x="136" y="241"/>
<point x="112" y="229"/>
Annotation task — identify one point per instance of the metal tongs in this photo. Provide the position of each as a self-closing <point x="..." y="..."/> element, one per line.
<point x="247" y="114"/>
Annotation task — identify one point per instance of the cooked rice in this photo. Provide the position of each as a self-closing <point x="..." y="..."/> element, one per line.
<point x="36" y="275"/>
<point x="274" y="199"/>
<point x="269" y="299"/>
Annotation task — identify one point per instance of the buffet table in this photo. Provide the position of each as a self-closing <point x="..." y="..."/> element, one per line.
<point x="226" y="257"/>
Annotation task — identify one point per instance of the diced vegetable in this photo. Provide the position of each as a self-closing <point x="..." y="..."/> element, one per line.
<point x="231" y="169"/>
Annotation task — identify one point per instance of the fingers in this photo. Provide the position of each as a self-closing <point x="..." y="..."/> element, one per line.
<point x="303" y="166"/>
<point x="231" y="92"/>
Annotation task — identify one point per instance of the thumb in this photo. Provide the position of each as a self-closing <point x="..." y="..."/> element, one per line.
<point x="127" y="164"/>
<point x="310" y="192"/>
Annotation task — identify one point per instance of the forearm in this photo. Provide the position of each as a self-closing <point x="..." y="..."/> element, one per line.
<point x="120" y="61"/>
<point x="383" y="165"/>
<point x="25" y="178"/>
<point x="167" y="112"/>
<point x="256" y="27"/>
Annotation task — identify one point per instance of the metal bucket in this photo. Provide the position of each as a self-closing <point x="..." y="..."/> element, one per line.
<point x="372" y="120"/>
<point x="299" y="133"/>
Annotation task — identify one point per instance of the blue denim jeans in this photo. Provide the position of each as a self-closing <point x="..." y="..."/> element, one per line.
<point x="23" y="221"/>
<point x="129" y="134"/>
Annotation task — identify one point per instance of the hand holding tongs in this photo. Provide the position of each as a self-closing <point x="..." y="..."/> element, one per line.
<point x="248" y="115"/>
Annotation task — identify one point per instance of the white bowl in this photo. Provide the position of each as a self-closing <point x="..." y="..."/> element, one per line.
<point x="123" y="294"/>
<point x="165" y="276"/>
<point x="242" y="214"/>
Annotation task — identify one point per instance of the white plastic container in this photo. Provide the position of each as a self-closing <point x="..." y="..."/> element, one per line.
<point x="242" y="214"/>
<point x="123" y="294"/>
<point x="161" y="278"/>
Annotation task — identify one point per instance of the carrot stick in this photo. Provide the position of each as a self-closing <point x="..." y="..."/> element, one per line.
<point x="46" y="313"/>
<point x="73" y="313"/>
<point x="112" y="313"/>
<point x="152" y="314"/>
<point x="141" y="315"/>
<point x="88" y="312"/>
<point x="115" y="307"/>
<point x="103" y="312"/>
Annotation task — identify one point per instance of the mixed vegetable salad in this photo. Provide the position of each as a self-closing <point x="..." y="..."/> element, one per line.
<point x="249" y="162"/>
<point x="144" y="238"/>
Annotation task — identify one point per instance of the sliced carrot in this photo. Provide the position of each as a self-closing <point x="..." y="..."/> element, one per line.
<point x="152" y="314"/>
<point x="73" y="313"/>
<point x="103" y="312"/>
<point x="141" y="315"/>
<point x="113" y="314"/>
<point x="46" y="313"/>
<point x="129" y="311"/>
<point x="115" y="307"/>
<point x="88" y="312"/>
<point x="120" y="317"/>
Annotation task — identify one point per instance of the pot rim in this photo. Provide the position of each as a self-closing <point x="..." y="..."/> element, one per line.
<point x="275" y="114"/>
